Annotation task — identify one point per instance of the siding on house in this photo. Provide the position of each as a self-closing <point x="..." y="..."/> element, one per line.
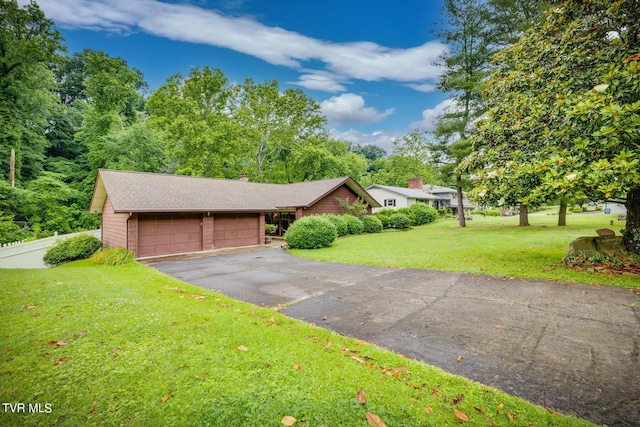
<point x="401" y="201"/>
<point x="114" y="226"/>
<point x="330" y="205"/>
<point x="132" y="234"/>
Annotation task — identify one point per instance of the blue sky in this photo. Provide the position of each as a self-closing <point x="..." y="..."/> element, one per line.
<point x="369" y="63"/>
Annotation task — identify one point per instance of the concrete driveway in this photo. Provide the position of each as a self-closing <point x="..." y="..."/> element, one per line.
<point x="572" y="348"/>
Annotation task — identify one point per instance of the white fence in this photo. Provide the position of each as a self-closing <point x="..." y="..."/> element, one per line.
<point x="29" y="254"/>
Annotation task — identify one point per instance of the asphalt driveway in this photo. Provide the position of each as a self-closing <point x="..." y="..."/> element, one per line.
<point x="571" y="348"/>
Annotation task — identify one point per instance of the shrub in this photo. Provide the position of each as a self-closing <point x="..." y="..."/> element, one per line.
<point x="310" y="232"/>
<point x="75" y="248"/>
<point x="383" y="217"/>
<point x="270" y="229"/>
<point x="353" y="224"/>
<point x="576" y="209"/>
<point x="371" y="224"/>
<point x="339" y="222"/>
<point x="409" y="214"/>
<point x="112" y="256"/>
<point x="358" y="208"/>
<point x="423" y="214"/>
<point x="399" y="220"/>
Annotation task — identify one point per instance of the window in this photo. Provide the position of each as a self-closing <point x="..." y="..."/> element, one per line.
<point x="389" y="202"/>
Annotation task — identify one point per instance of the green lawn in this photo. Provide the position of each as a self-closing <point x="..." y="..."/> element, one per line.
<point x="494" y="246"/>
<point x="97" y="345"/>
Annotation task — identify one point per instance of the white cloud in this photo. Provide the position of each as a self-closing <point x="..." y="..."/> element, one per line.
<point x="422" y="87"/>
<point x="349" y="109"/>
<point x="319" y="81"/>
<point x="430" y="116"/>
<point x="382" y="139"/>
<point x="340" y="62"/>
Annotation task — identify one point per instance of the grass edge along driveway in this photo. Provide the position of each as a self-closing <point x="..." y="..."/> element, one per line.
<point x="98" y="345"/>
<point x="491" y="246"/>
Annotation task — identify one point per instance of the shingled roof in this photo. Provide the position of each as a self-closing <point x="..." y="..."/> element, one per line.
<point x="151" y="192"/>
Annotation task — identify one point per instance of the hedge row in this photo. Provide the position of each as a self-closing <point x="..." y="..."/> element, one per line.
<point x="417" y="214"/>
<point x="319" y="231"/>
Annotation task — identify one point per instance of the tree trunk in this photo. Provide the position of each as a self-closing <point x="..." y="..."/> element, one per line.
<point x="461" y="219"/>
<point x="631" y="235"/>
<point x="562" y="216"/>
<point x="524" y="216"/>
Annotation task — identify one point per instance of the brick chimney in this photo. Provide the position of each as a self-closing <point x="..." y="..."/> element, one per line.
<point x="243" y="178"/>
<point x="415" y="183"/>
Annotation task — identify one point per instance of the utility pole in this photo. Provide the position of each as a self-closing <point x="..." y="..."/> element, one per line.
<point x="12" y="168"/>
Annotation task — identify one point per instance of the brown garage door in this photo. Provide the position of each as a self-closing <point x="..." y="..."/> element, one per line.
<point x="169" y="234"/>
<point x="230" y="230"/>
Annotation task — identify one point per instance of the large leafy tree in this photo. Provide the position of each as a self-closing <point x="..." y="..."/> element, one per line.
<point x="213" y="128"/>
<point x="565" y="112"/>
<point x="276" y="127"/>
<point x="191" y="116"/>
<point x="29" y="45"/>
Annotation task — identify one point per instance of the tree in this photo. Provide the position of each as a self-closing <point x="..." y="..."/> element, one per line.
<point x="191" y="117"/>
<point x="474" y="31"/>
<point x="465" y="69"/>
<point x="276" y="126"/>
<point x="29" y="44"/>
<point x="565" y="112"/>
<point x="409" y="158"/>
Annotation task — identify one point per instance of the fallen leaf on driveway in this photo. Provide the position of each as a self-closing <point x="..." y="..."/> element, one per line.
<point x="460" y="358"/>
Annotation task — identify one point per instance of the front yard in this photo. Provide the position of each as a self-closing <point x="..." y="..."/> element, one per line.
<point x="97" y="345"/>
<point x="491" y="245"/>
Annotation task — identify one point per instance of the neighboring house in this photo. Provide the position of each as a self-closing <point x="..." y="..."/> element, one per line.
<point x="158" y="214"/>
<point x="400" y="197"/>
<point x="448" y="199"/>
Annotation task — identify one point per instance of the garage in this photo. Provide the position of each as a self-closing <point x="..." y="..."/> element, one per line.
<point x="236" y="229"/>
<point x="169" y="233"/>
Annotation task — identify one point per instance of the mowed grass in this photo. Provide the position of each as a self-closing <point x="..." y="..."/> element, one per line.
<point x="99" y="345"/>
<point x="492" y="246"/>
